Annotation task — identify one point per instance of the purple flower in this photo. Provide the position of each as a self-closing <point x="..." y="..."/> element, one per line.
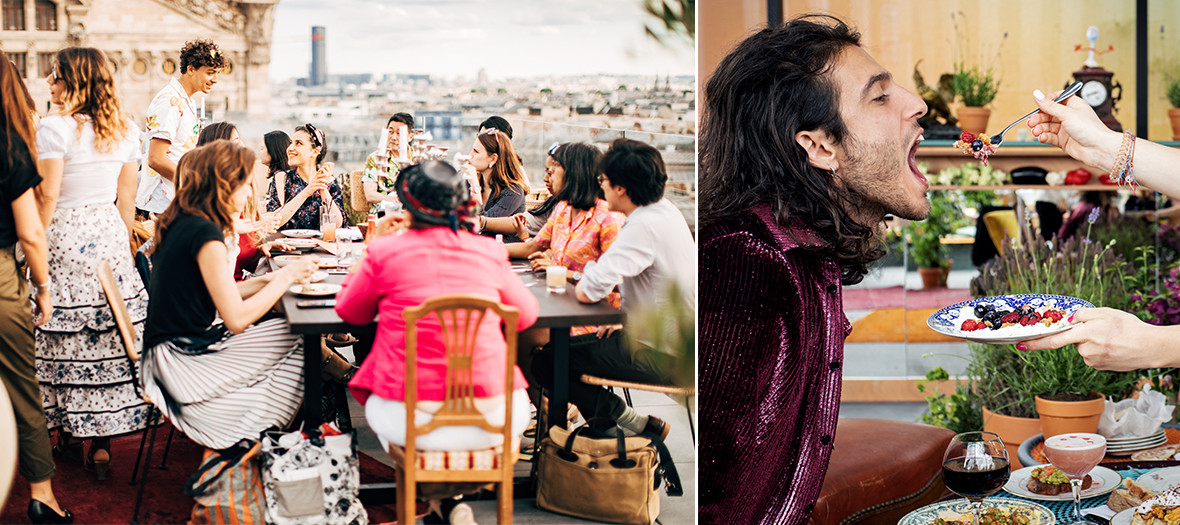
<point x="1093" y="215"/>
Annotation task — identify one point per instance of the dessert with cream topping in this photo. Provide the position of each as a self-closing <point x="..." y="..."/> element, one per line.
<point x="979" y="147"/>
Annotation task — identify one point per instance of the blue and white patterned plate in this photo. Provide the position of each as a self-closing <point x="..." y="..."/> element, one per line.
<point x="960" y="509"/>
<point x="943" y="321"/>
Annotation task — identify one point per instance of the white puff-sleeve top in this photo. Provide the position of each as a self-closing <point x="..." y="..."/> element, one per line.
<point x="89" y="177"/>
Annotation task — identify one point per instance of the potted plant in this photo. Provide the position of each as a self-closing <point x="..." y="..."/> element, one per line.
<point x="1173" y="92"/>
<point x="930" y="255"/>
<point x="976" y="87"/>
<point x="1027" y="383"/>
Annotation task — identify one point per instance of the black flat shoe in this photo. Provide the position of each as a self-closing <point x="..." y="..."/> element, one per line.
<point x="41" y="513"/>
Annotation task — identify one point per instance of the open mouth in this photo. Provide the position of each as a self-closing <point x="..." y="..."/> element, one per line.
<point x="913" y="161"/>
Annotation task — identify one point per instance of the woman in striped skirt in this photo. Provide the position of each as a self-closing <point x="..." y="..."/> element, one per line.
<point x="217" y="382"/>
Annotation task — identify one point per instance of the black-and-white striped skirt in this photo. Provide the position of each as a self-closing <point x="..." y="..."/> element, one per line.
<point x="243" y="385"/>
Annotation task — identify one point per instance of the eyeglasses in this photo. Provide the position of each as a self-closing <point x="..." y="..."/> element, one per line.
<point x="316" y="135"/>
<point x="553" y="148"/>
<point x="601" y="179"/>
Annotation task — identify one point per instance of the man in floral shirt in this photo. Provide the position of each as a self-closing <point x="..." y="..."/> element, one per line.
<point x="379" y="174"/>
<point x="173" y="123"/>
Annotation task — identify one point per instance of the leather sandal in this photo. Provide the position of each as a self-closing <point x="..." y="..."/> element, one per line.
<point x="99" y="468"/>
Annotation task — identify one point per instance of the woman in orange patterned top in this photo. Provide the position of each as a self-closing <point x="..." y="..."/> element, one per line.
<point x="581" y="226"/>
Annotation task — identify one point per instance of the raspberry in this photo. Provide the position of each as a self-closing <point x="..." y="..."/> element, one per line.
<point x="968" y="325"/>
<point x="967" y="137"/>
<point x="1010" y="317"/>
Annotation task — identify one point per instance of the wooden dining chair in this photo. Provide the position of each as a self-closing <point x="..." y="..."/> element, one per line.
<point x="687" y="392"/>
<point x="460" y="316"/>
<point x="110" y="288"/>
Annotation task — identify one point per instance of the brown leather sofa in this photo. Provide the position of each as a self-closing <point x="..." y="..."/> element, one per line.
<point x="880" y="471"/>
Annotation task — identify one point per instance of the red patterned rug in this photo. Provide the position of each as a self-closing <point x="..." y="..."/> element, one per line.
<point x="113" y="500"/>
<point x="898" y="297"/>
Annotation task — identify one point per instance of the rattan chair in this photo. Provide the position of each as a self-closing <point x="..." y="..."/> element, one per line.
<point x="460" y="316"/>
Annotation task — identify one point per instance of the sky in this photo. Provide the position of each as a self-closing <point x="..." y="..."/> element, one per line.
<point x="508" y="38"/>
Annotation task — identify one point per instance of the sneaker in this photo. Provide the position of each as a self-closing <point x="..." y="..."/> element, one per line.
<point x="462" y="515"/>
<point x="658" y="427"/>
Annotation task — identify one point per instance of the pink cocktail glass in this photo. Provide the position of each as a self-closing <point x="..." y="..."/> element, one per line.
<point x="1076" y="454"/>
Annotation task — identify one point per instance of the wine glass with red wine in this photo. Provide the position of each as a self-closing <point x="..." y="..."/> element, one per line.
<point x="975" y="466"/>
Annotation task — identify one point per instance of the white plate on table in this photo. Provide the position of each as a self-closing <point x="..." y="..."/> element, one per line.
<point x="319" y="276"/>
<point x="1160" y="479"/>
<point x="1124" y="442"/>
<point x="302" y="244"/>
<point x="300" y="234"/>
<point x="1123" y="518"/>
<point x="1105" y="480"/>
<point x="946" y="321"/>
<point x="283" y="260"/>
<point x="328" y="262"/>
<point x="960" y="509"/>
<point x="316" y="289"/>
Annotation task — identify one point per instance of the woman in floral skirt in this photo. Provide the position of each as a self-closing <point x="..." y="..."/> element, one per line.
<point x="87" y="155"/>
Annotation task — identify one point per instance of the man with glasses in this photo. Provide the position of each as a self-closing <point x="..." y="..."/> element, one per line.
<point x="653" y="264"/>
<point x="173" y="124"/>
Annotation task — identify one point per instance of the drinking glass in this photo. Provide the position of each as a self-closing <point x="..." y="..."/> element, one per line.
<point x="1076" y="454"/>
<point x="327" y="227"/>
<point x="555" y="279"/>
<point x="975" y="466"/>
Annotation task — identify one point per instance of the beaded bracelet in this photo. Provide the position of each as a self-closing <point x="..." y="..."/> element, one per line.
<point x="1124" y="162"/>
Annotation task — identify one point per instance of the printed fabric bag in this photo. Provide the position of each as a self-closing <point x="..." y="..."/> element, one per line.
<point x="312" y="478"/>
<point x="593" y="472"/>
<point x="227" y="487"/>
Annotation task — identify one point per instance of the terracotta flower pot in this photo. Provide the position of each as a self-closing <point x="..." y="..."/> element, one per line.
<point x="973" y="120"/>
<point x="1174" y="116"/>
<point x="1063" y="417"/>
<point x="931" y="278"/>
<point x="1012" y="430"/>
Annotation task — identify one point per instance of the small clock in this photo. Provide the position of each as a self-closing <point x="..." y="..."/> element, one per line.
<point x="1094" y="93"/>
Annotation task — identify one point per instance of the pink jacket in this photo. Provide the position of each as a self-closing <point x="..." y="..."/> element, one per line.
<point x="404" y="270"/>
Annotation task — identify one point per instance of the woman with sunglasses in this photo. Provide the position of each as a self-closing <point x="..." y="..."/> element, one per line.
<point x="88" y="155"/>
<point x="502" y="182"/>
<point x="20" y="223"/>
<point x="298" y="193"/>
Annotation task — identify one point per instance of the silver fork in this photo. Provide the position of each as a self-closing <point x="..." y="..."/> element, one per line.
<point x="998" y="138"/>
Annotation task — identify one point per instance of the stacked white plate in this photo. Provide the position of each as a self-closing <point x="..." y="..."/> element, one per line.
<point x="1125" y="446"/>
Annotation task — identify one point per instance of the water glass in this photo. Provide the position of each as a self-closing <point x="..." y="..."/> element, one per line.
<point x="327" y="227"/>
<point x="555" y="278"/>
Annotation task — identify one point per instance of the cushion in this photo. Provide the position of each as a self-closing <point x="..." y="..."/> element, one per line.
<point x="881" y="470"/>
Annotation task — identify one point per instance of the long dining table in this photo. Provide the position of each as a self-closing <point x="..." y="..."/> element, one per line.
<point x="557" y="312"/>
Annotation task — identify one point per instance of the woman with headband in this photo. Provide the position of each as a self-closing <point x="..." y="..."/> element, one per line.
<point x="502" y="182"/>
<point x="298" y="193"/>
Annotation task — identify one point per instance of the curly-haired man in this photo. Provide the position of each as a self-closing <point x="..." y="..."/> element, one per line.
<point x="806" y="144"/>
<point x="173" y="125"/>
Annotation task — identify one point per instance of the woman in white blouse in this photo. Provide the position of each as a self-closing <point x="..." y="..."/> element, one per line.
<point x="87" y="155"/>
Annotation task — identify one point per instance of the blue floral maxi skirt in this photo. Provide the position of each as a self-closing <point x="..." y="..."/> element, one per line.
<point x="82" y="367"/>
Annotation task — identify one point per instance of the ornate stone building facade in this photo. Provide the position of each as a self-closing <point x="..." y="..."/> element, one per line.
<point x="143" y="40"/>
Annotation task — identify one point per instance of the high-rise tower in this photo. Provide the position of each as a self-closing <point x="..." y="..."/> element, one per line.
<point x="319" y="61"/>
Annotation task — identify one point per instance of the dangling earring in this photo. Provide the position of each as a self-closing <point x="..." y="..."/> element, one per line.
<point x="833" y="171"/>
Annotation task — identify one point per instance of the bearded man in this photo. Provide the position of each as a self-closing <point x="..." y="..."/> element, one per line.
<point x="806" y="144"/>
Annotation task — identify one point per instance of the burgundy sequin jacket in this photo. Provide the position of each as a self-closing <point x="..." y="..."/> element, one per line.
<point x="770" y="351"/>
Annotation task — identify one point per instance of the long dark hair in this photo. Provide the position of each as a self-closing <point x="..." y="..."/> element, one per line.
<point x="216" y="131"/>
<point x="774" y="84"/>
<point x="16" y="116"/>
<point x="276" y="147"/>
<point x="579" y="186"/>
